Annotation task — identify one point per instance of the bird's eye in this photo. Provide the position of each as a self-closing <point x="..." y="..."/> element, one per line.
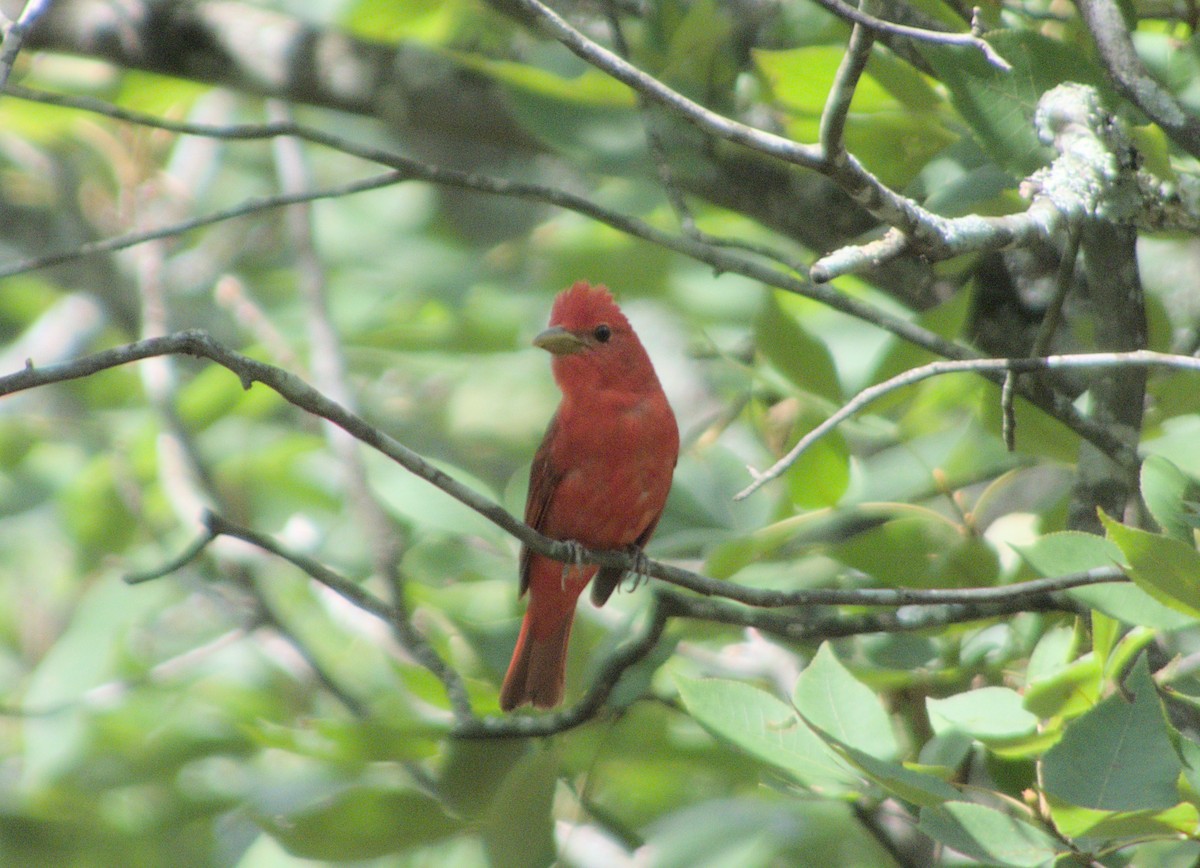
<point x="602" y="333"/>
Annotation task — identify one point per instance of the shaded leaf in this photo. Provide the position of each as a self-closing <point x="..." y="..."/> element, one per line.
<point x="519" y="827"/>
<point x="904" y="783"/>
<point x="998" y="105"/>
<point x="1170" y="496"/>
<point x="989" y="835"/>
<point x="796" y="354"/>
<point x="362" y="823"/>
<point x="1118" y="756"/>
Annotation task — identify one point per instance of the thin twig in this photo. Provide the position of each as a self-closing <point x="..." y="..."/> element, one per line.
<point x="1008" y="412"/>
<point x="1063" y="282"/>
<point x="1105" y="20"/>
<point x="666" y="174"/>
<point x="803" y="626"/>
<point x="866" y="189"/>
<point x="650" y="87"/>
<point x="14" y="36"/>
<point x="837" y="103"/>
<point x="1136" y="358"/>
<point x="250" y="206"/>
<point x="394" y="617"/>
<point x="937" y="37"/>
<point x="193" y="551"/>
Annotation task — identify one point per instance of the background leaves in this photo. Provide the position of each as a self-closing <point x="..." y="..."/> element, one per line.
<point x="236" y="713"/>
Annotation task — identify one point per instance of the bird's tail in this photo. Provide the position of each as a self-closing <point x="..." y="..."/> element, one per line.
<point x="538" y="669"/>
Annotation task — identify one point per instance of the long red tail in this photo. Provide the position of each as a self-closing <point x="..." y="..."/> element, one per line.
<point x="538" y="669"/>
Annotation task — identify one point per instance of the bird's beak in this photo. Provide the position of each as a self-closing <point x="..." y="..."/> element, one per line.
<point x="559" y="341"/>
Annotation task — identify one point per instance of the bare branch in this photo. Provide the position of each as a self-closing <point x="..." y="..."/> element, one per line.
<point x="1092" y="176"/>
<point x="808" y="156"/>
<point x="408" y="169"/>
<point x="1106" y="23"/>
<point x="937" y="37"/>
<point x="14" y="35"/>
<point x="837" y="104"/>
<point x="250" y="206"/>
<point x="300" y="394"/>
<point x="969" y="233"/>
<point x="804" y="626"/>
<point x="1137" y="359"/>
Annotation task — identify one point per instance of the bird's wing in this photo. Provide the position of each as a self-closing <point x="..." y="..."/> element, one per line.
<point x="543" y="480"/>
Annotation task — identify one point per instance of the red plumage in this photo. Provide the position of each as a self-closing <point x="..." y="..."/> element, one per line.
<point x="600" y="477"/>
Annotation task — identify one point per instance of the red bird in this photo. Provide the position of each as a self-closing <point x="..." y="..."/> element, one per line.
<point x="600" y="477"/>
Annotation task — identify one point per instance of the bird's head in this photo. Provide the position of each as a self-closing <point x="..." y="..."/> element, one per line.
<point x="593" y="343"/>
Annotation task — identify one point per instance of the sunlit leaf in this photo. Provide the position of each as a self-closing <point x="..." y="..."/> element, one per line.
<point x="1162" y="566"/>
<point x="767" y="729"/>
<point x="832" y="699"/>
<point x="988" y="714"/>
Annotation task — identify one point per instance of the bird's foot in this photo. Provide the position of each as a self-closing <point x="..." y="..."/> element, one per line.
<point x="641" y="567"/>
<point x="574" y="561"/>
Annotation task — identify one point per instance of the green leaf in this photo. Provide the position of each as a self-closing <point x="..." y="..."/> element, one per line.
<point x="990" y="714"/>
<point x="362" y="823"/>
<point x="1162" y="566"/>
<point x="412" y="499"/>
<point x="1075" y="822"/>
<point x="896" y="145"/>
<point x="917" y="549"/>
<point x="519" y="828"/>
<point x="802" y="358"/>
<point x="1058" y="554"/>
<point x="904" y="783"/>
<point x="1118" y="756"/>
<point x="474" y="770"/>
<point x="836" y="702"/>
<point x="991" y="836"/>
<point x="1129" y="604"/>
<point x="1068" y="692"/>
<point x="701" y="56"/>
<point x="589" y="88"/>
<point x="820" y="477"/>
<point x="758" y="831"/>
<point x="998" y="105"/>
<point x="766" y="728"/>
<point x="1170" y="496"/>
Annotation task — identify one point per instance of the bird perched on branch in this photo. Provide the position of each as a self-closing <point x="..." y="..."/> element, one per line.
<point x="600" y="478"/>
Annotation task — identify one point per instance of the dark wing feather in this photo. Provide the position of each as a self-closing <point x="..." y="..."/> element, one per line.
<point x="543" y="480"/>
<point x="608" y="578"/>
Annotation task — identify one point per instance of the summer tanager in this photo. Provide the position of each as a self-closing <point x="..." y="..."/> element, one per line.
<point x="600" y="478"/>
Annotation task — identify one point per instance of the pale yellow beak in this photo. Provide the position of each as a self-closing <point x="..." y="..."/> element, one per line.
<point x="559" y="341"/>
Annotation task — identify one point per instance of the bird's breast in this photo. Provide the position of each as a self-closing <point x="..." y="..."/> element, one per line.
<point x="616" y="469"/>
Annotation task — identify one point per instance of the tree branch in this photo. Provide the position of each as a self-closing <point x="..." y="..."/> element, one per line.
<point x="14" y="35"/>
<point x="938" y="37"/>
<point x="300" y="394"/>
<point x="427" y="97"/>
<point x="1105" y="22"/>
<point x="721" y="259"/>
<point x="1135" y="359"/>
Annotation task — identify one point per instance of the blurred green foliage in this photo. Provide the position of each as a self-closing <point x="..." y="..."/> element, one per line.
<point x="235" y="713"/>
